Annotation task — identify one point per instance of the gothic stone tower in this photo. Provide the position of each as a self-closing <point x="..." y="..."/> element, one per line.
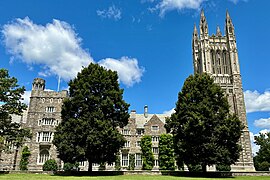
<point x="44" y="115"/>
<point x="217" y="55"/>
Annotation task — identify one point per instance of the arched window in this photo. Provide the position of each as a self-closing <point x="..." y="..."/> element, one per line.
<point x="218" y="58"/>
<point x="43" y="156"/>
<point x="213" y="62"/>
<point x="224" y="58"/>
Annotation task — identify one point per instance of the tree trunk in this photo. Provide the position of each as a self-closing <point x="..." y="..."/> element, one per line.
<point x="15" y="159"/>
<point x="89" y="166"/>
<point x="204" y="168"/>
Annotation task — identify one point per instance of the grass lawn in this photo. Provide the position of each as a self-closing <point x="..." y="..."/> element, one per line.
<point x="123" y="177"/>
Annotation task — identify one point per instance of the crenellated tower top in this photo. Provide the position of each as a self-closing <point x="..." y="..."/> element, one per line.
<point x="38" y="84"/>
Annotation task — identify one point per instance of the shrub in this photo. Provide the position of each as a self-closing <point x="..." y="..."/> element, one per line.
<point x="223" y="167"/>
<point x="24" y="160"/>
<point x="102" y="167"/>
<point x="194" y="168"/>
<point x="50" y="165"/>
<point x="263" y="166"/>
<point x="71" y="166"/>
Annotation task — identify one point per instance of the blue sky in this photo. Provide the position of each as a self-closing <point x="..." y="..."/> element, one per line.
<point x="147" y="41"/>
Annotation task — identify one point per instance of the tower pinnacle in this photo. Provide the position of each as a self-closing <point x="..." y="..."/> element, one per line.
<point x="218" y="32"/>
<point x="203" y="25"/>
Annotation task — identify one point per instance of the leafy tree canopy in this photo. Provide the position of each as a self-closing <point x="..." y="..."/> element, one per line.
<point x="91" y="116"/>
<point x="262" y="158"/>
<point x="204" y="131"/>
<point x="10" y="96"/>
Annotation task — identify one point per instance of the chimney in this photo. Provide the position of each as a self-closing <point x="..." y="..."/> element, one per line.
<point x="133" y="114"/>
<point x="145" y="111"/>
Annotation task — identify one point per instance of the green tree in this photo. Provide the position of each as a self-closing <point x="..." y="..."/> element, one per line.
<point x="147" y="154"/>
<point x="24" y="159"/>
<point x="205" y="133"/>
<point x="262" y="158"/>
<point x="90" y="118"/>
<point x="10" y="96"/>
<point x="166" y="152"/>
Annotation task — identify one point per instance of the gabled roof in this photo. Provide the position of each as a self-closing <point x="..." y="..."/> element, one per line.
<point x="141" y="119"/>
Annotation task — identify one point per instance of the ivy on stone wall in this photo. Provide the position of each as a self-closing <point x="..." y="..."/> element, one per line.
<point x="25" y="157"/>
<point x="117" y="163"/>
<point x="166" y="152"/>
<point x="147" y="154"/>
<point x="131" y="165"/>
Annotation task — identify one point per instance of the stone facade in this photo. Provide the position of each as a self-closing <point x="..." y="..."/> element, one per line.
<point x="217" y="55"/>
<point x="44" y="113"/>
<point x="138" y="126"/>
<point x="8" y="157"/>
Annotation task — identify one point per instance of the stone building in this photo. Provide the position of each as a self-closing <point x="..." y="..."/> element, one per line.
<point x="217" y="55"/>
<point x="44" y="113"/>
<point x="8" y="157"/>
<point x="138" y="125"/>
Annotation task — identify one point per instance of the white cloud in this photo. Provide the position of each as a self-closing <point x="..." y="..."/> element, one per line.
<point x="262" y="123"/>
<point x="57" y="49"/>
<point x="236" y="1"/>
<point x="169" y="112"/>
<point x="26" y="97"/>
<point x="257" y="102"/>
<point x="164" y="6"/>
<point x="168" y="5"/>
<point x="255" y="148"/>
<point x="56" y="46"/>
<point x="111" y="13"/>
<point x="128" y="69"/>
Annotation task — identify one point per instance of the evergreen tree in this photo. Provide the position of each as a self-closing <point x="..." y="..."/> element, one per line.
<point x="147" y="154"/>
<point x="204" y="131"/>
<point x="166" y="152"/>
<point x="10" y="96"/>
<point x="262" y="158"/>
<point x="90" y="118"/>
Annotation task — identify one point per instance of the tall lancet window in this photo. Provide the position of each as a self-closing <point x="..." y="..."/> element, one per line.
<point x="213" y="61"/>
<point x="225" y="63"/>
<point x="218" y="61"/>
